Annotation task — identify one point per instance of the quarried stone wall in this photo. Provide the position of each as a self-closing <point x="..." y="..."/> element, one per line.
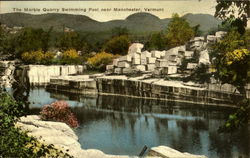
<point x="41" y="74"/>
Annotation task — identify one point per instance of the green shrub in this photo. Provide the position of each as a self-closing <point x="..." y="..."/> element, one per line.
<point x="100" y="60"/>
<point x="14" y="142"/>
<point x="70" y="57"/>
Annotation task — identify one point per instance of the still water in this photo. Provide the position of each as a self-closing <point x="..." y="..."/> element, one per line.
<point x="122" y="125"/>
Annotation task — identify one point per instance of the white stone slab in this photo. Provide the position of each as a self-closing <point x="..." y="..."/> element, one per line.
<point x="136" y="61"/>
<point x="135" y="48"/>
<point x="127" y="70"/>
<point x="126" y="58"/>
<point x="146" y="53"/>
<point x="199" y="39"/>
<point x="211" y="38"/>
<point x="156" y="54"/>
<point x="122" y="64"/>
<point x="143" y="61"/>
<point x="172" y="70"/>
<point x="109" y="67"/>
<point x="118" y="70"/>
<point x="141" y="67"/>
<point x="191" y="66"/>
<point x="189" y="54"/>
<point x="161" y="63"/>
<point x="115" y="62"/>
<point x="150" y="67"/>
<point x="151" y="60"/>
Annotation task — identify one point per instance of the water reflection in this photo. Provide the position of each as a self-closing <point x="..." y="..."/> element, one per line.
<point x="121" y="125"/>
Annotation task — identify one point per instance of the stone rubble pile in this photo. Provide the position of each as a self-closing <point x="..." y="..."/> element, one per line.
<point x="7" y="69"/>
<point x="164" y="62"/>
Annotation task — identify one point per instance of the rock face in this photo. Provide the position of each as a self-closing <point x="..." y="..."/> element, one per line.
<point x="41" y="74"/>
<point x="146" y="87"/>
<point x="7" y="69"/>
<point x="167" y="152"/>
<point x="61" y="135"/>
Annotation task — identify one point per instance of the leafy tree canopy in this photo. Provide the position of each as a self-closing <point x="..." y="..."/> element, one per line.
<point x="117" y="45"/>
<point x="178" y="31"/>
<point x="234" y="12"/>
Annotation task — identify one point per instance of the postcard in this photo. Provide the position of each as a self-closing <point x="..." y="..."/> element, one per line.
<point x="125" y="78"/>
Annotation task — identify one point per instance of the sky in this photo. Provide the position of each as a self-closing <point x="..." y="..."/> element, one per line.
<point x="105" y="10"/>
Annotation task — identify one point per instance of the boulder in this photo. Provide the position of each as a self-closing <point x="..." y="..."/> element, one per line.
<point x="136" y="61"/>
<point x="146" y="53"/>
<point x="61" y="136"/>
<point x="118" y="70"/>
<point x="204" y="57"/>
<point x="128" y="70"/>
<point x="110" y="68"/>
<point x="188" y="54"/>
<point x="135" y="55"/>
<point x="191" y="66"/>
<point x="122" y="64"/>
<point x="150" y="67"/>
<point x="127" y="58"/>
<point x="211" y="38"/>
<point x="167" y="152"/>
<point x="156" y="54"/>
<point x="220" y="34"/>
<point x="171" y="70"/>
<point x="135" y="48"/>
<point x="151" y="60"/>
<point x="199" y="39"/>
<point x="161" y="63"/>
<point x="140" y="67"/>
<point x="115" y="62"/>
<point x="143" y="59"/>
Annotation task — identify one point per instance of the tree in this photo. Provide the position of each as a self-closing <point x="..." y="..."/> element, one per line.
<point x="71" y="40"/>
<point x="234" y="12"/>
<point x="117" y="45"/>
<point x="30" y="39"/>
<point x="157" y="41"/>
<point x="227" y="51"/>
<point x="119" y="31"/>
<point x="178" y="31"/>
<point x="232" y="61"/>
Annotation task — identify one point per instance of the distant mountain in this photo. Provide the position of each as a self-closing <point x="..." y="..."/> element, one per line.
<point x="136" y="23"/>
<point x="206" y="21"/>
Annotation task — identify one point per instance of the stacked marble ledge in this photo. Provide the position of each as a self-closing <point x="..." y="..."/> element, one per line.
<point x="41" y="74"/>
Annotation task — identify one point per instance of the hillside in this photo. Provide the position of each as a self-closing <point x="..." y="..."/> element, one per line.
<point x="136" y="23"/>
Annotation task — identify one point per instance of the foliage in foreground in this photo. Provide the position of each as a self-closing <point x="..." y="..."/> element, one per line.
<point x="100" y="60"/>
<point x="238" y="119"/>
<point x="232" y="61"/>
<point x="14" y="142"/>
<point x="59" y="111"/>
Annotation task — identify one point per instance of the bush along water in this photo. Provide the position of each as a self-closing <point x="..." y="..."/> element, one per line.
<point x="59" y="111"/>
<point x="100" y="60"/>
<point x="13" y="141"/>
